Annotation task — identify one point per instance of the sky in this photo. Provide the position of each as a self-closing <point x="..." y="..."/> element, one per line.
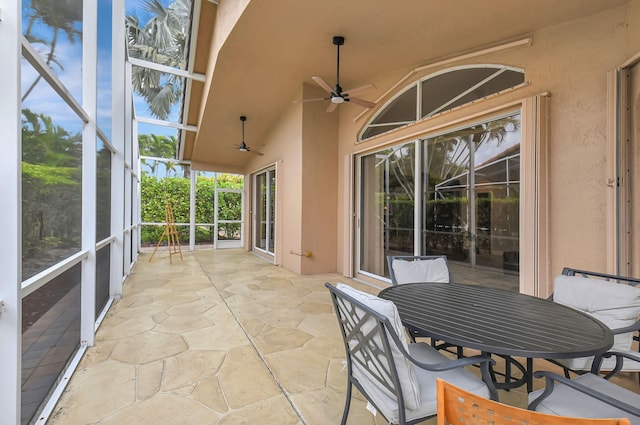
<point x="68" y="65"/>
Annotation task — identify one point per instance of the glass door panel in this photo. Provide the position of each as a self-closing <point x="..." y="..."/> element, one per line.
<point x="260" y="232"/>
<point x="446" y="220"/>
<point x="387" y="203"/>
<point x="474" y="217"/>
<point x="272" y="210"/>
<point x="264" y="211"/>
<point x="497" y="194"/>
<point x="468" y="186"/>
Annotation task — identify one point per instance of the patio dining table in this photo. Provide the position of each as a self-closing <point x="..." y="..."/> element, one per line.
<point x="504" y="323"/>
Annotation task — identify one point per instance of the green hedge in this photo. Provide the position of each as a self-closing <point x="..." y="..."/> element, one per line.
<point x="155" y="191"/>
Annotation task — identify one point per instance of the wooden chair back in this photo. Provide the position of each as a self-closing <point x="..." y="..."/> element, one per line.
<point x="459" y="407"/>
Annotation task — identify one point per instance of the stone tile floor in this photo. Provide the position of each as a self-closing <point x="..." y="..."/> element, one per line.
<point x="221" y="337"/>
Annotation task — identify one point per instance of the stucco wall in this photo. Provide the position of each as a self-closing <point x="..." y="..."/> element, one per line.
<point x="570" y="61"/>
<point x="320" y="183"/>
<point x="283" y="149"/>
<point x="303" y="143"/>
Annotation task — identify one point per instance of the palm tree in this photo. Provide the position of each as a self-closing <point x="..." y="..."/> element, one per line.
<point x="156" y="146"/>
<point x="45" y="143"/>
<point x="161" y="40"/>
<point x="60" y="16"/>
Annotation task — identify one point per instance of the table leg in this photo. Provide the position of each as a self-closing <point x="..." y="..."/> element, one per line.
<point x="509" y="381"/>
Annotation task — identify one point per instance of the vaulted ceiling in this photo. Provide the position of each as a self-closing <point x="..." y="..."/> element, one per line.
<point x="276" y="45"/>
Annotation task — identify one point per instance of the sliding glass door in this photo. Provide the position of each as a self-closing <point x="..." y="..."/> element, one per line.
<point x="264" y="211"/>
<point x="473" y="194"/>
<point x="387" y="203"/>
<point x="455" y="194"/>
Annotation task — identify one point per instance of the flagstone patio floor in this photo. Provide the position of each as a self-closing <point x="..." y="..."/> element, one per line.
<point x="221" y="337"/>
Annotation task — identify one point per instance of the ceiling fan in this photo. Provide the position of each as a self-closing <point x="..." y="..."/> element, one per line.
<point x="336" y="94"/>
<point x="242" y="147"/>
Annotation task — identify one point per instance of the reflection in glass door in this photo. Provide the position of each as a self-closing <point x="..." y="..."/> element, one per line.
<point x="455" y="194"/>
<point x="387" y="202"/>
<point x="264" y="211"/>
<point x="473" y="217"/>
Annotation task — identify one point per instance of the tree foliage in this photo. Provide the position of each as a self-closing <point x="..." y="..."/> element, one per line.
<point x="156" y="146"/>
<point x="51" y="191"/>
<point x="176" y="190"/>
<point x="162" y="40"/>
<point x="60" y="16"/>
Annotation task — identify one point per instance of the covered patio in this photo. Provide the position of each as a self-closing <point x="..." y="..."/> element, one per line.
<point x="513" y="151"/>
<point x="221" y="337"/>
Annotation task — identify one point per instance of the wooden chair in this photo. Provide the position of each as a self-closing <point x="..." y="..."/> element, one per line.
<point x="460" y="407"/>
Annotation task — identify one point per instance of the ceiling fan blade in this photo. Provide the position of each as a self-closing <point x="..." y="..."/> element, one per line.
<point x="256" y="152"/>
<point x="332" y="107"/>
<point x="364" y="103"/>
<point x="311" y="100"/>
<point x="359" y="89"/>
<point x="323" y="83"/>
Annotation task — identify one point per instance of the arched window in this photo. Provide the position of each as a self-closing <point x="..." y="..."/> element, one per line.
<point x="440" y="92"/>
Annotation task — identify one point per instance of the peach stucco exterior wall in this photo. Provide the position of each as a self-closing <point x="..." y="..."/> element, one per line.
<point x="320" y="183"/>
<point x="282" y="148"/>
<point x="570" y="62"/>
<point x="304" y="144"/>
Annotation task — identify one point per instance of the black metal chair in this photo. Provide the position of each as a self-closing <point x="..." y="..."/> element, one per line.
<point x="617" y="307"/>
<point x="588" y="395"/>
<point x="421" y="268"/>
<point x="398" y="379"/>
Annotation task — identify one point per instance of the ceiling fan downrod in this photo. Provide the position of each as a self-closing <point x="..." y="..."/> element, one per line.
<point x="338" y="41"/>
<point x="243" y="146"/>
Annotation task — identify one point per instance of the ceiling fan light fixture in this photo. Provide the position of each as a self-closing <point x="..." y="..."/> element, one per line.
<point x="242" y="147"/>
<point x="336" y="94"/>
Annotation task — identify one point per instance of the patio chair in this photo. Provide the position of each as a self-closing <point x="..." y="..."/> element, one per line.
<point x="588" y="395"/>
<point x="425" y="268"/>
<point x="614" y="300"/>
<point x="459" y="407"/>
<point x="397" y="379"/>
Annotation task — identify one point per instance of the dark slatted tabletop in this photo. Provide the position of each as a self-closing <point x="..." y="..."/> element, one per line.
<point x="498" y="321"/>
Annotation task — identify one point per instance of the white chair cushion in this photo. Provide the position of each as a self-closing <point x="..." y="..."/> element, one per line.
<point x="565" y="401"/>
<point x="405" y="369"/>
<point x="434" y="270"/>
<point x="428" y="405"/>
<point x="615" y="304"/>
<point x="584" y="363"/>
<point x="427" y="379"/>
